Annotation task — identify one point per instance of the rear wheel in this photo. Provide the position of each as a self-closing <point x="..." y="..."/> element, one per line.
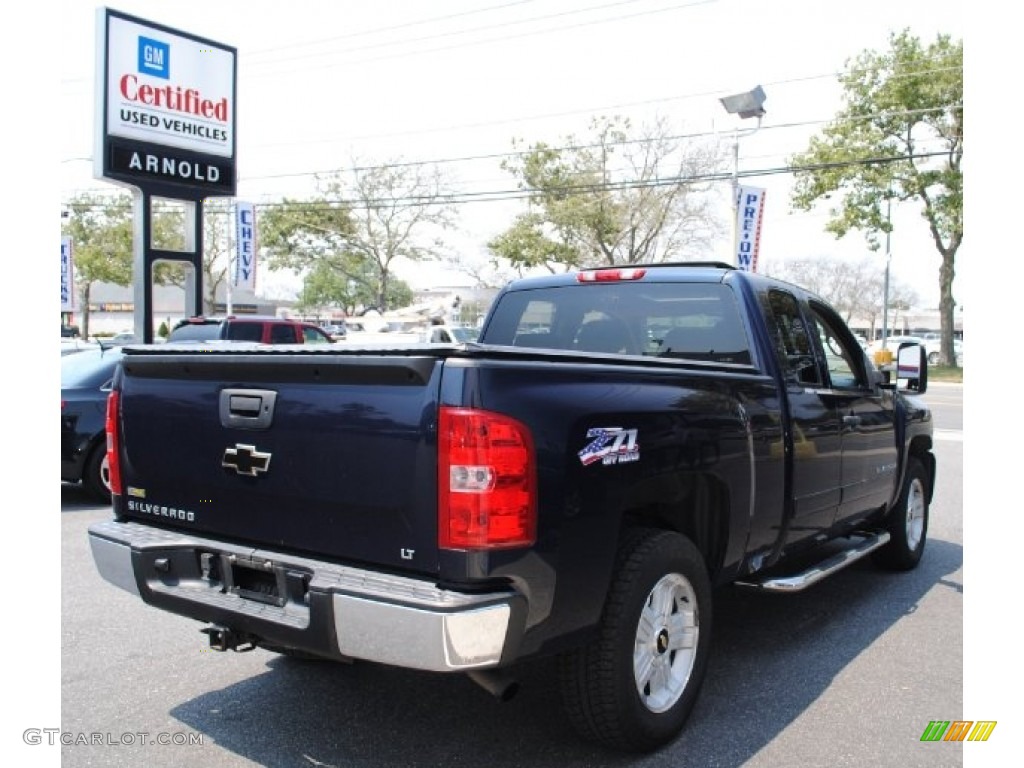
<point x="97" y="474"/>
<point x="633" y="687"/>
<point x="908" y="524"/>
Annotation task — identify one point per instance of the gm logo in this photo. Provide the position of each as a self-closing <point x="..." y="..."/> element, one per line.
<point x="154" y="58"/>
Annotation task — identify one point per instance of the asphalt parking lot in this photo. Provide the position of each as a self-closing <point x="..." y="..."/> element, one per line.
<point x="850" y="673"/>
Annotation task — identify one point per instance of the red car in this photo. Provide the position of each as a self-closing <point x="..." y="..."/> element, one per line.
<point x="264" y="330"/>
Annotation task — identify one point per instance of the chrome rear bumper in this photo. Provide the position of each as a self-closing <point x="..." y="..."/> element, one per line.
<point x="322" y="607"/>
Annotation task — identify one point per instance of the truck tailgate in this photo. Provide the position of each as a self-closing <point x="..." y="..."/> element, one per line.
<point x="316" y="453"/>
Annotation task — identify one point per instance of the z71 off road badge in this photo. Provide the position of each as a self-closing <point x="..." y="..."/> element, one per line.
<point x="610" y="445"/>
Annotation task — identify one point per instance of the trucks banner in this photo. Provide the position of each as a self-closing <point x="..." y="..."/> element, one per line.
<point x="67" y="276"/>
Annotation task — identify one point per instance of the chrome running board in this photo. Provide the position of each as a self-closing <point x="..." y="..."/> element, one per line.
<point x="864" y="545"/>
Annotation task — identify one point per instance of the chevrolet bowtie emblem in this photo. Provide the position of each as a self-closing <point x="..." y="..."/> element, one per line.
<point x="246" y="460"/>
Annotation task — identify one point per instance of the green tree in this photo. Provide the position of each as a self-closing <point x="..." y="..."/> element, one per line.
<point x="360" y="222"/>
<point x="898" y="138"/>
<point x="218" y="220"/>
<point x="101" y="231"/>
<point x="854" y="288"/>
<point x="617" y="196"/>
<point x="324" y="286"/>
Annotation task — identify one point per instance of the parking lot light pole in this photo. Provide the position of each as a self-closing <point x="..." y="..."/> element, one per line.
<point x="747" y="105"/>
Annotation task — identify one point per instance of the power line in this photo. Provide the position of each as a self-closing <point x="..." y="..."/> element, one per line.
<point x="552" y="115"/>
<point x="457" y="32"/>
<point x="505" y="195"/>
<point x="491" y="40"/>
<point x="523" y="153"/>
<point x="378" y="30"/>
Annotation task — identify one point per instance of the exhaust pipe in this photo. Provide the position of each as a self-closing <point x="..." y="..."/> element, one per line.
<point x="500" y="685"/>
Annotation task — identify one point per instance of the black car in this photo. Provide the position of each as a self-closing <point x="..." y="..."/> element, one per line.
<point x="85" y="380"/>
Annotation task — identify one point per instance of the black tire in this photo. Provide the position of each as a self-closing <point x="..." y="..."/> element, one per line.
<point x="96" y="477"/>
<point x="933" y="358"/>
<point x="908" y="522"/>
<point x="602" y="697"/>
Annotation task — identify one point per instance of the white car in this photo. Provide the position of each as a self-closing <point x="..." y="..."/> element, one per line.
<point x="931" y="345"/>
<point x="70" y="346"/>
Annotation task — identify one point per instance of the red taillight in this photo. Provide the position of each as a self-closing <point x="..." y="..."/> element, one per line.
<point x="486" y="481"/>
<point x="113" y="442"/>
<point x="610" y="275"/>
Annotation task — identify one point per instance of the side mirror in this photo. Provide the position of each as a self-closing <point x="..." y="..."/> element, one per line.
<point x="912" y="368"/>
<point x="908" y="372"/>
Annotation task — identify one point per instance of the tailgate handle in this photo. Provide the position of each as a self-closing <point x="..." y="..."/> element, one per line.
<point x="247" y="408"/>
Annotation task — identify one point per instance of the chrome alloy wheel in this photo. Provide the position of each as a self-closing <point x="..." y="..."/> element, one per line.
<point x="915" y="514"/>
<point x="666" y="642"/>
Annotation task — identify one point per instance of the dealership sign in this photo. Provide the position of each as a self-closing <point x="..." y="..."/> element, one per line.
<point x="749" y="213"/>
<point x="245" y="237"/>
<point x="167" y="108"/>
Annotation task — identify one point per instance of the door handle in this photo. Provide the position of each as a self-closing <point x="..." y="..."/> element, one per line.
<point x="247" y="408"/>
<point x="851" y="420"/>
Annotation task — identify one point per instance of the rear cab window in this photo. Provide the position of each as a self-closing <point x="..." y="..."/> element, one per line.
<point x="195" y="332"/>
<point x="694" y="321"/>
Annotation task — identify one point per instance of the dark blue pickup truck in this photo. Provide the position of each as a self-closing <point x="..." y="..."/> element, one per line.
<point x="619" y="443"/>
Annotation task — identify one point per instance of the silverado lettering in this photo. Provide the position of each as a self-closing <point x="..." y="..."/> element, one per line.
<point x="617" y="445"/>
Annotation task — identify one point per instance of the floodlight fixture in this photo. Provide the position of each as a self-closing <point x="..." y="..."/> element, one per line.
<point x="747" y="104"/>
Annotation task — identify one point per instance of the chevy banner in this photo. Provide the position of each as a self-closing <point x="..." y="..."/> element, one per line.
<point x="749" y="212"/>
<point x="245" y="257"/>
<point x="67" y="276"/>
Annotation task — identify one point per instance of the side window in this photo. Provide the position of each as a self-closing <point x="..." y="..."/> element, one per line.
<point x="792" y="339"/>
<point x="245" y="331"/>
<point x="282" y="334"/>
<point x="314" y="336"/>
<point x="842" y="353"/>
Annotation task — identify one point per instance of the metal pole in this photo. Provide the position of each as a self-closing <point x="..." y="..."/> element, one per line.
<point x="888" y="258"/>
<point x="230" y="275"/>
<point x="735" y="195"/>
<point x="736" y="135"/>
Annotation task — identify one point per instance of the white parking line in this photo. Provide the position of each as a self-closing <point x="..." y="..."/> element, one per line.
<point x="952" y="435"/>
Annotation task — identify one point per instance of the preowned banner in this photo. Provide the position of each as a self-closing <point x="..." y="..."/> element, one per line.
<point x="245" y="238"/>
<point x="749" y="213"/>
<point x="67" y="276"/>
